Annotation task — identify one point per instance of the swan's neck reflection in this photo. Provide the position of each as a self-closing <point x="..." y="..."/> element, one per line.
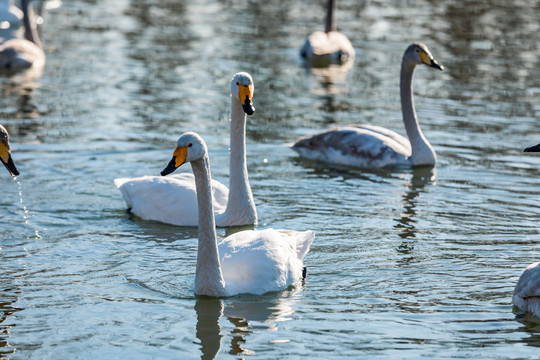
<point x="421" y="176"/>
<point x="266" y="311"/>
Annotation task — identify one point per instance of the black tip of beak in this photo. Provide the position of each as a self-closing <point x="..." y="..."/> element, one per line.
<point x="248" y="107"/>
<point x="10" y="165"/>
<point x="535" y="148"/>
<point x="436" y="65"/>
<point x="170" y="168"/>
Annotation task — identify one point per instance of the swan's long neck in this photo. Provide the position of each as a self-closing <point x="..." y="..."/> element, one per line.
<point x="208" y="277"/>
<point x="240" y="205"/>
<point x="330" y="24"/>
<point x="30" y="30"/>
<point x="422" y="152"/>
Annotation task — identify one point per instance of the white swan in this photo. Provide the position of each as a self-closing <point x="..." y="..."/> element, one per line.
<point x="369" y="146"/>
<point x="329" y="47"/>
<point x="5" y="152"/>
<point x="16" y="54"/>
<point x="249" y="261"/>
<point x="173" y="200"/>
<point x="527" y="291"/>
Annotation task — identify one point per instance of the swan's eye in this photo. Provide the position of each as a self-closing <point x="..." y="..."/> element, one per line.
<point x="190" y="145"/>
<point x="417" y="50"/>
<point x="237" y="83"/>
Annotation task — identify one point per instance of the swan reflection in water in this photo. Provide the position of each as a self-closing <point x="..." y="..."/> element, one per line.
<point x="245" y="313"/>
<point x="421" y="176"/>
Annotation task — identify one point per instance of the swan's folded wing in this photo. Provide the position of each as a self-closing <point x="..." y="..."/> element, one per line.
<point x="362" y="146"/>
<point x="259" y="261"/>
<point x="528" y="284"/>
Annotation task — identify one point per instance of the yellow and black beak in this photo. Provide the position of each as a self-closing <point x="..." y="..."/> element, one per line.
<point x="245" y="93"/>
<point x="5" y="157"/>
<point x="179" y="158"/>
<point x="429" y="60"/>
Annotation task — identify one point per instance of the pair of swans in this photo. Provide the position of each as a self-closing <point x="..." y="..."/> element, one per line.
<point x="252" y="261"/>
<point x="17" y="54"/>
<point x="5" y="152"/>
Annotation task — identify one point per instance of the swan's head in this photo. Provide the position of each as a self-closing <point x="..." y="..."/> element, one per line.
<point x="190" y="147"/>
<point x="242" y="89"/>
<point x="418" y="53"/>
<point x="535" y="148"/>
<point x="5" y="152"/>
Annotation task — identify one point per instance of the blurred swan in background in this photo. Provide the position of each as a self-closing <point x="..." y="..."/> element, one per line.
<point x="535" y="148"/>
<point x="527" y="291"/>
<point x="370" y="146"/>
<point x="5" y="152"/>
<point x="173" y="200"/>
<point x="18" y="54"/>
<point x="322" y="49"/>
<point x="10" y="19"/>
<point x="251" y="261"/>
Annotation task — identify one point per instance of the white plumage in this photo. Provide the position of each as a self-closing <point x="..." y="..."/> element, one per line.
<point x="252" y="261"/>
<point x="527" y="291"/>
<point x="369" y="146"/>
<point x="173" y="200"/>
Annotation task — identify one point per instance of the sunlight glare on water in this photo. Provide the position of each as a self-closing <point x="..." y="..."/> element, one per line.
<point x="407" y="263"/>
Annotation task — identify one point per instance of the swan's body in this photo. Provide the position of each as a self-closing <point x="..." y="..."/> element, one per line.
<point x="249" y="261"/>
<point x="173" y="200"/>
<point x="369" y="146"/>
<point x="527" y="291"/>
<point x="329" y="47"/>
<point x="17" y="54"/>
<point x="5" y="152"/>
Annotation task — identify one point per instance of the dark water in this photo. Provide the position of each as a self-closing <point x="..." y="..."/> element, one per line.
<point x="406" y="263"/>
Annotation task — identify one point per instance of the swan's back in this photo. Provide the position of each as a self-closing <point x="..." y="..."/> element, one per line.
<point x="171" y="199"/>
<point x="363" y="146"/>
<point x="257" y="262"/>
<point x="527" y="291"/>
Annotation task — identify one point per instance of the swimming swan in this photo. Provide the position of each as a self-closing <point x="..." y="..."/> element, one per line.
<point x="21" y="54"/>
<point x="5" y="152"/>
<point x="329" y="47"/>
<point x="370" y="146"/>
<point x="535" y="148"/>
<point x="527" y="291"/>
<point x="251" y="261"/>
<point x="173" y="200"/>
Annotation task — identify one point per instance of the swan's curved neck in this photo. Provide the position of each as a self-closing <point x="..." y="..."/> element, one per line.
<point x="208" y="277"/>
<point x="240" y="203"/>
<point x="30" y="30"/>
<point x="422" y="152"/>
<point x="330" y="24"/>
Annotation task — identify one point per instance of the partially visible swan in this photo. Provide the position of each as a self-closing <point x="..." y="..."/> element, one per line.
<point x="17" y="54"/>
<point x="173" y="200"/>
<point x="329" y="47"/>
<point x="10" y="18"/>
<point x="5" y="152"/>
<point x="250" y="261"/>
<point x="527" y="291"/>
<point x="370" y="146"/>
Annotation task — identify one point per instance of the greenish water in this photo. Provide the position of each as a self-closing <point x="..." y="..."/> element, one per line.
<point x="406" y="263"/>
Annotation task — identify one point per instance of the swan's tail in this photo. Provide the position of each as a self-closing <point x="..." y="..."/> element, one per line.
<point x="303" y="242"/>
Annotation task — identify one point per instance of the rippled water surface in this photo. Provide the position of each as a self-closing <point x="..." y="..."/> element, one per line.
<point x="406" y="263"/>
